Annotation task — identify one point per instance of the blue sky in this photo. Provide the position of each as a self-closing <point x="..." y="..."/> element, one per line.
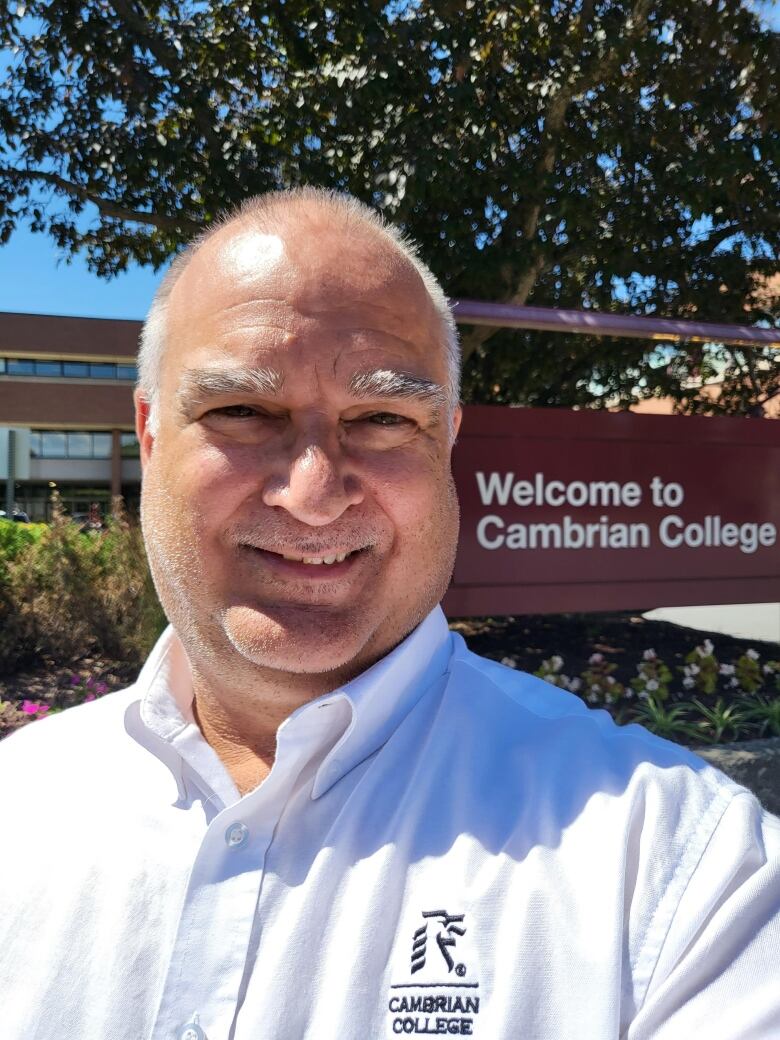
<point x="34" y="277"/>
<point x="35" y="280"/>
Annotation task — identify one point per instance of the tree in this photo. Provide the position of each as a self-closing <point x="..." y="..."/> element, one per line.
<point x="552" y="153"/>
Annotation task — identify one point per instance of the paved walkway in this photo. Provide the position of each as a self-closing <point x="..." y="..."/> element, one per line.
<point x="742" y="620"/>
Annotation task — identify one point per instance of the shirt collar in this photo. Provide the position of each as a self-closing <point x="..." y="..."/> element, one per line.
<point x="383" y="695"/>
<point x="377" y="701"/>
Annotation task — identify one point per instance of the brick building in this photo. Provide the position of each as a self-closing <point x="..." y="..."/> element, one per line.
<point x="66" y="412"/>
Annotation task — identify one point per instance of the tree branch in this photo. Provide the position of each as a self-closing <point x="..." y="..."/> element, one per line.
<point x="165" y="54"/>
<point x="717" y="238"/>
<point x="105" y="207"/>
<point x="138" y="22"/>
<point x="554" y="117"/>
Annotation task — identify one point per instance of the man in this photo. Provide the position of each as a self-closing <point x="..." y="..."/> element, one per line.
<point x="317" y="815"/>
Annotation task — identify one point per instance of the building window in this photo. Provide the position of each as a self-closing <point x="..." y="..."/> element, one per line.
<point x="48" y="368"/>
<point x="102" y="371"/>
<point x="75" y="369"/>
<point x="53" y="445"/>
<point x="130" y="446"/>
<point x="101" y="445"/>
<point x="79" y="445"/>
<point x="21" y="368"/>
<point x="73" y="444"/>
<point x="67" y="369"/>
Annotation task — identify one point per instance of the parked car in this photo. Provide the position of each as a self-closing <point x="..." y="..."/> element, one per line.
<point x="18" y="515"/>
<point x="87" y="522"/>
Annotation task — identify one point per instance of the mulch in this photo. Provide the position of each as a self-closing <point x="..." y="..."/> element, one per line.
<point x="621" y="637"/>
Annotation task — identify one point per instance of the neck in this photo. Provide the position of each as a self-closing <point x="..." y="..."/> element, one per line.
<point x="239" y="716"/>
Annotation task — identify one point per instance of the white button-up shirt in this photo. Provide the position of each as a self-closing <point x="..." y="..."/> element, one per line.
<point x="443" y="846"/>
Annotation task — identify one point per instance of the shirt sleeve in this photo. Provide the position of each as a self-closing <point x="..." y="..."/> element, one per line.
<point x="717" y="975"/>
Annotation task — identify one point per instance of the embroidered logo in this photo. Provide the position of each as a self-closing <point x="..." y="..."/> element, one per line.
<point x="443" y="998"/>
<point x="451" y="929"/>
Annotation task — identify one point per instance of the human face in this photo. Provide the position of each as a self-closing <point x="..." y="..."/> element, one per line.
<point x="302" y="417"/>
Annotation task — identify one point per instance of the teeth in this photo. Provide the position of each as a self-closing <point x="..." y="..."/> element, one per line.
<point x="317" y="560"/>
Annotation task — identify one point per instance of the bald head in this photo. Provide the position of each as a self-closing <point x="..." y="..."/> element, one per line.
<point x="336" y="240"/>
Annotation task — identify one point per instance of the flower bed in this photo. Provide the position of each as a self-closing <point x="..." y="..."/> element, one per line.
<point x="33" y="695"/>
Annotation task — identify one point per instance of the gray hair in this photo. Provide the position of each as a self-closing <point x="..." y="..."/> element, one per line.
<point x="269" y="213"/>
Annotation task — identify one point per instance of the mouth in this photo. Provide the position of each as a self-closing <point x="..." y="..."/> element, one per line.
<point x="328" y="562"/>
<point x="327" y="558"/>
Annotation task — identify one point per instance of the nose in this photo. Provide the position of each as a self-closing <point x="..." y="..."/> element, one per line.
<point x="315" y="482"/>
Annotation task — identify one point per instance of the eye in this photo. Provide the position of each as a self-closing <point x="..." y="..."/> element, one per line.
<point x="237" y="411"/>
<point x="385" y="419"/>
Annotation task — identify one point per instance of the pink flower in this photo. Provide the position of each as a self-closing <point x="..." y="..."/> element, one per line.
<point x="101" y="688"/>
<point x="31" y="708"/>
<point x="90" y="697"/>
<point x="75" y="680"/>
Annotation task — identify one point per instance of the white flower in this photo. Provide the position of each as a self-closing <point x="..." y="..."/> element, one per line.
<point x="642" y="695"/>
<point x="726" y="669"/>
<point x="629" y="692"/>
<point x="610" y="680"/>
<point x="595" y="659"/>
<point x="595" y="688"/>
<point x="509" y="662"/>
<point x="752" y="654"/>
<point x="575" y="684"/>
<point x="768" y="669"/>
<point x="649" y="655"/>
<point x="708" y="647"/>
<point x="592" y="698"/>
<point x="651" y="685"/>
<point x="693" y="669"/>
<point x="688" y="682"/>
<point x="556" y="663"/>
<point x="733" y="683"/>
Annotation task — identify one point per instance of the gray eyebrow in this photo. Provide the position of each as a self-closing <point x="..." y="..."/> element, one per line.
<point x="384" y="382"/>
<point x="197" y="383"/>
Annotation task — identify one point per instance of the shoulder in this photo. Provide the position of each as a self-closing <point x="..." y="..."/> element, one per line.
<point x="572" y="745"/>
<point x="88" y="730"/>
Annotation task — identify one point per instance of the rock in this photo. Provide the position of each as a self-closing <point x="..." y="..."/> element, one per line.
<point x="755" y="764"/>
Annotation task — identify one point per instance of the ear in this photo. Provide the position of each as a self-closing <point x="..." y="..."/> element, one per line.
<point x="142" y="431"/>
<point x="457" y="418"/>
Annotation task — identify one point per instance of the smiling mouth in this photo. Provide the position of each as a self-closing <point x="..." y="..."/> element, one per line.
<point x="326" y="559"/>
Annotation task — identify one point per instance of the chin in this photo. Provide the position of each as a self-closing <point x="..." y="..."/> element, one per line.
<point x="298" y="641"/>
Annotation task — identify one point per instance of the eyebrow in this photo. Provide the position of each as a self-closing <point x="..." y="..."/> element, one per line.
<point x="384" y="382"/>
<point x="199" y="383"/>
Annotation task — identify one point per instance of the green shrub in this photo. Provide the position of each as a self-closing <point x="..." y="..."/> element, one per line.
<point x="67" y="594"/>
<point x="14" y="538"/>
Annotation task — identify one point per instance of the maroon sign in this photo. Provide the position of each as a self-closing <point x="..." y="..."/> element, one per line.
<point x="573" y="511"/>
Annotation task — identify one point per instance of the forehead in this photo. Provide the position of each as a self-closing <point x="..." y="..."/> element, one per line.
<point x="326" y="295"/>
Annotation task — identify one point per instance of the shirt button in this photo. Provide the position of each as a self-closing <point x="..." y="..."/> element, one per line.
<point x="191" y="1031"/>
<point x="236" y="835"/>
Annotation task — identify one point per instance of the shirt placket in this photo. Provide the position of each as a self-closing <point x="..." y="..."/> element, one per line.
<point x="209" y="957"/>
